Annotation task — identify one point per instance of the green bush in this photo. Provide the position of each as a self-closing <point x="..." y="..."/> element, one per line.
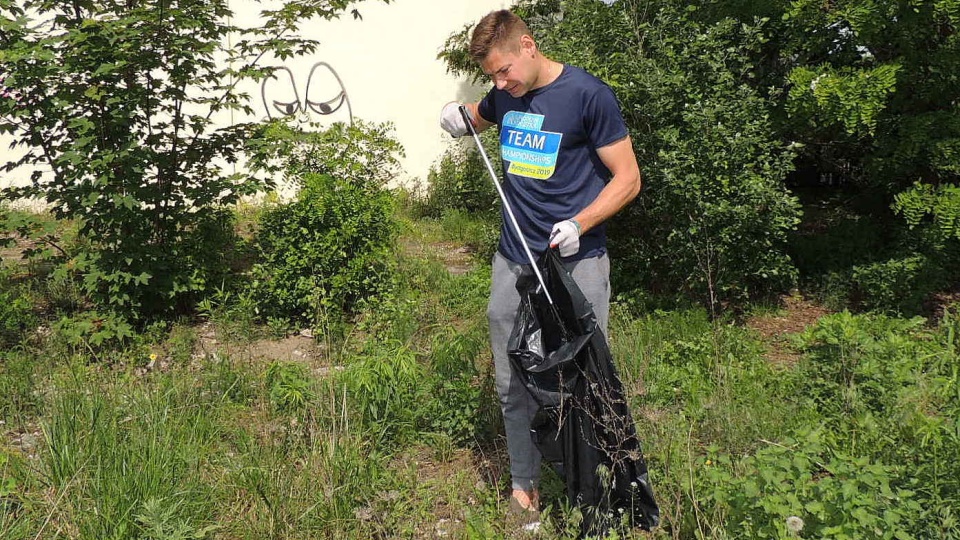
<point x="396" y="397"/>
<point x="289" y="386"/>
<point x="323" y="252"/>
<point x="860" y="364"/>
<point x="386" y="387"/>
<point x="713" y="220"/>
<point x="461" y="181"/>
<point x="94" y="332"/>
<point x="459" y="400"/>
<point x="898" y="285"/>
<point x="801" y="488"/>
<point x="886" y="388"/>
<point x="16" y="316"/>
<point x="124" y="141"/>
<point x="364" y="153"/>
<point x="16" y="309"/>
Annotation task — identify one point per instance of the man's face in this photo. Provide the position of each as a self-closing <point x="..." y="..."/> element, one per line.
<point x="511" y="70"/>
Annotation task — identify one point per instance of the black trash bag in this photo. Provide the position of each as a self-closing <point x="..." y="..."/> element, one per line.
<point x="583" y="426"/>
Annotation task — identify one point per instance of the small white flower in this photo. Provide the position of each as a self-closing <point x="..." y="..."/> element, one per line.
<point x="794" y="524"/>
<point x="815" y="82"/>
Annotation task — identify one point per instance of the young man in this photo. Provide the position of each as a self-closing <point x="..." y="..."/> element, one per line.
<point x="569" y="166"/>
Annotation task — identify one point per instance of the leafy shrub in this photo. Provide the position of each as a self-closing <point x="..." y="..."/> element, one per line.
<point x="460" y="181"/>
<point x="132" y="164"/>
<point x="457" y="397"/>
<point x="93" y="331"/>
<point x="396" y="397"/>
<point x="323" y="252"/>
<point x="289" y="386"/>
<point x="932" y="217"/>
<point x="715" y="214"/>
<point x="364" y="154"/>
<point x="386" y="386"/>
<point x="16" y="315"/>
<point x="852" y="98"/>
<point x="125" y="138"/>
<point x="887" y="388"/>
<point x="898" y="285"/>
<point x="834" y="495"/>
<point x="856" y="364"/>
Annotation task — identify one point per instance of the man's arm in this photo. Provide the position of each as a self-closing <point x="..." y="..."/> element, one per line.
<point x="451" y="119"/>
<point x="479" y="122"/>
<point x="623" y="187"/>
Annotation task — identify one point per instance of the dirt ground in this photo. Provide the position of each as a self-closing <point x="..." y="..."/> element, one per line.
<point x="795" y="315"/>
<point x="302" y="348"/>
<point x="456" y="258"/>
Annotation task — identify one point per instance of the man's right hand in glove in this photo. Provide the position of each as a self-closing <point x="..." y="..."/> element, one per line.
<point x="452" y="121"/>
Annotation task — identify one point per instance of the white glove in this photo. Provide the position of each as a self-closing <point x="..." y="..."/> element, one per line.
<point x="452" y="121"/>
<point x="566" y="236"/>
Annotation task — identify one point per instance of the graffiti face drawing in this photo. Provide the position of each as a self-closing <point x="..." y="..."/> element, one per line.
<point x="325" y="94"/>
<point x="283" y="91"/>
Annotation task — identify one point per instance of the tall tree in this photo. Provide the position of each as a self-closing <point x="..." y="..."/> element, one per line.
<point x="113" y="103"/>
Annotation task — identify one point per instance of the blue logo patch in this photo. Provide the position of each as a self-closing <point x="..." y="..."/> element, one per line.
<point x="531" y="152"/>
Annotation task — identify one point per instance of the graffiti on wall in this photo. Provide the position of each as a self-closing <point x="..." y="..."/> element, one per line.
<point x="10" y="93"/>
<point x="324" y="94"/>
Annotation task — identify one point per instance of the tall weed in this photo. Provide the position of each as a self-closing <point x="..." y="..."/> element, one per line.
<point x="887" y="388"/>
<point x="114" y="454"/>
<point x="824" y="493"/>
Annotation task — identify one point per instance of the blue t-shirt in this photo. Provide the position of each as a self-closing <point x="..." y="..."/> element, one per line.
<point x="548" y="142"/>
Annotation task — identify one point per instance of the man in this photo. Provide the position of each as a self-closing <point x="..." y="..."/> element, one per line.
<point x="568" y="165"/>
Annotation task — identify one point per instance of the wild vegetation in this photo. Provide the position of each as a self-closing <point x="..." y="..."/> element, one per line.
<point x="326" y="373"/>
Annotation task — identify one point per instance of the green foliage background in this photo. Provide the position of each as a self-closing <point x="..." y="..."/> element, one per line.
<point x="749" y="117"/>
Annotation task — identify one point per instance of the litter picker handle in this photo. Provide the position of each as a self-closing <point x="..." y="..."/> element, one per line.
<point x="503" y="199"/>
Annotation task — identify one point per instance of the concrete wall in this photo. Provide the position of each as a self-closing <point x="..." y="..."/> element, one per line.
<point x="388" y="67"/>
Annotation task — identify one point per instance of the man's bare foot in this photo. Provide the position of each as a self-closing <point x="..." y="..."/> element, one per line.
<point x="525" y="510"/>
<point x="528" y="500"/>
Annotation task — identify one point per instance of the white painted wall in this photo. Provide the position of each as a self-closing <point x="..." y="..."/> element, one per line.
<point x="387" y="62"/>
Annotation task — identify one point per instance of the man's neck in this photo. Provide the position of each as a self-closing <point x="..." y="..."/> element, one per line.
<point x="549" y="71"/>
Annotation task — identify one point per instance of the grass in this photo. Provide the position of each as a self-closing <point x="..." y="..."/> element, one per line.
<point x="394" y="433"/>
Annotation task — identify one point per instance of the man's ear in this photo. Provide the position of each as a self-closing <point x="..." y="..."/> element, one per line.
<point x="528" y="45"/>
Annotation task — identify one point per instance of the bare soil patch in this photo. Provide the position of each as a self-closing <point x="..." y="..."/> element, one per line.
<point x="13" y="254"/>
<point x="456" y="258"/>
<point x="795" y="315"/>
<point x="302" y="348"/>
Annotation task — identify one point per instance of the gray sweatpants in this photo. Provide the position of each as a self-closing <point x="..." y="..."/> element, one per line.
<point x="593" y="277"/>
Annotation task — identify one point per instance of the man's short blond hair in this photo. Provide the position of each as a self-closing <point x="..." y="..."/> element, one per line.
<point x="497" y="30"/>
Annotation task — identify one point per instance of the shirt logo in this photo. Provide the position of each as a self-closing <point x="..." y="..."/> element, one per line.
<point x="531" y="152"/>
